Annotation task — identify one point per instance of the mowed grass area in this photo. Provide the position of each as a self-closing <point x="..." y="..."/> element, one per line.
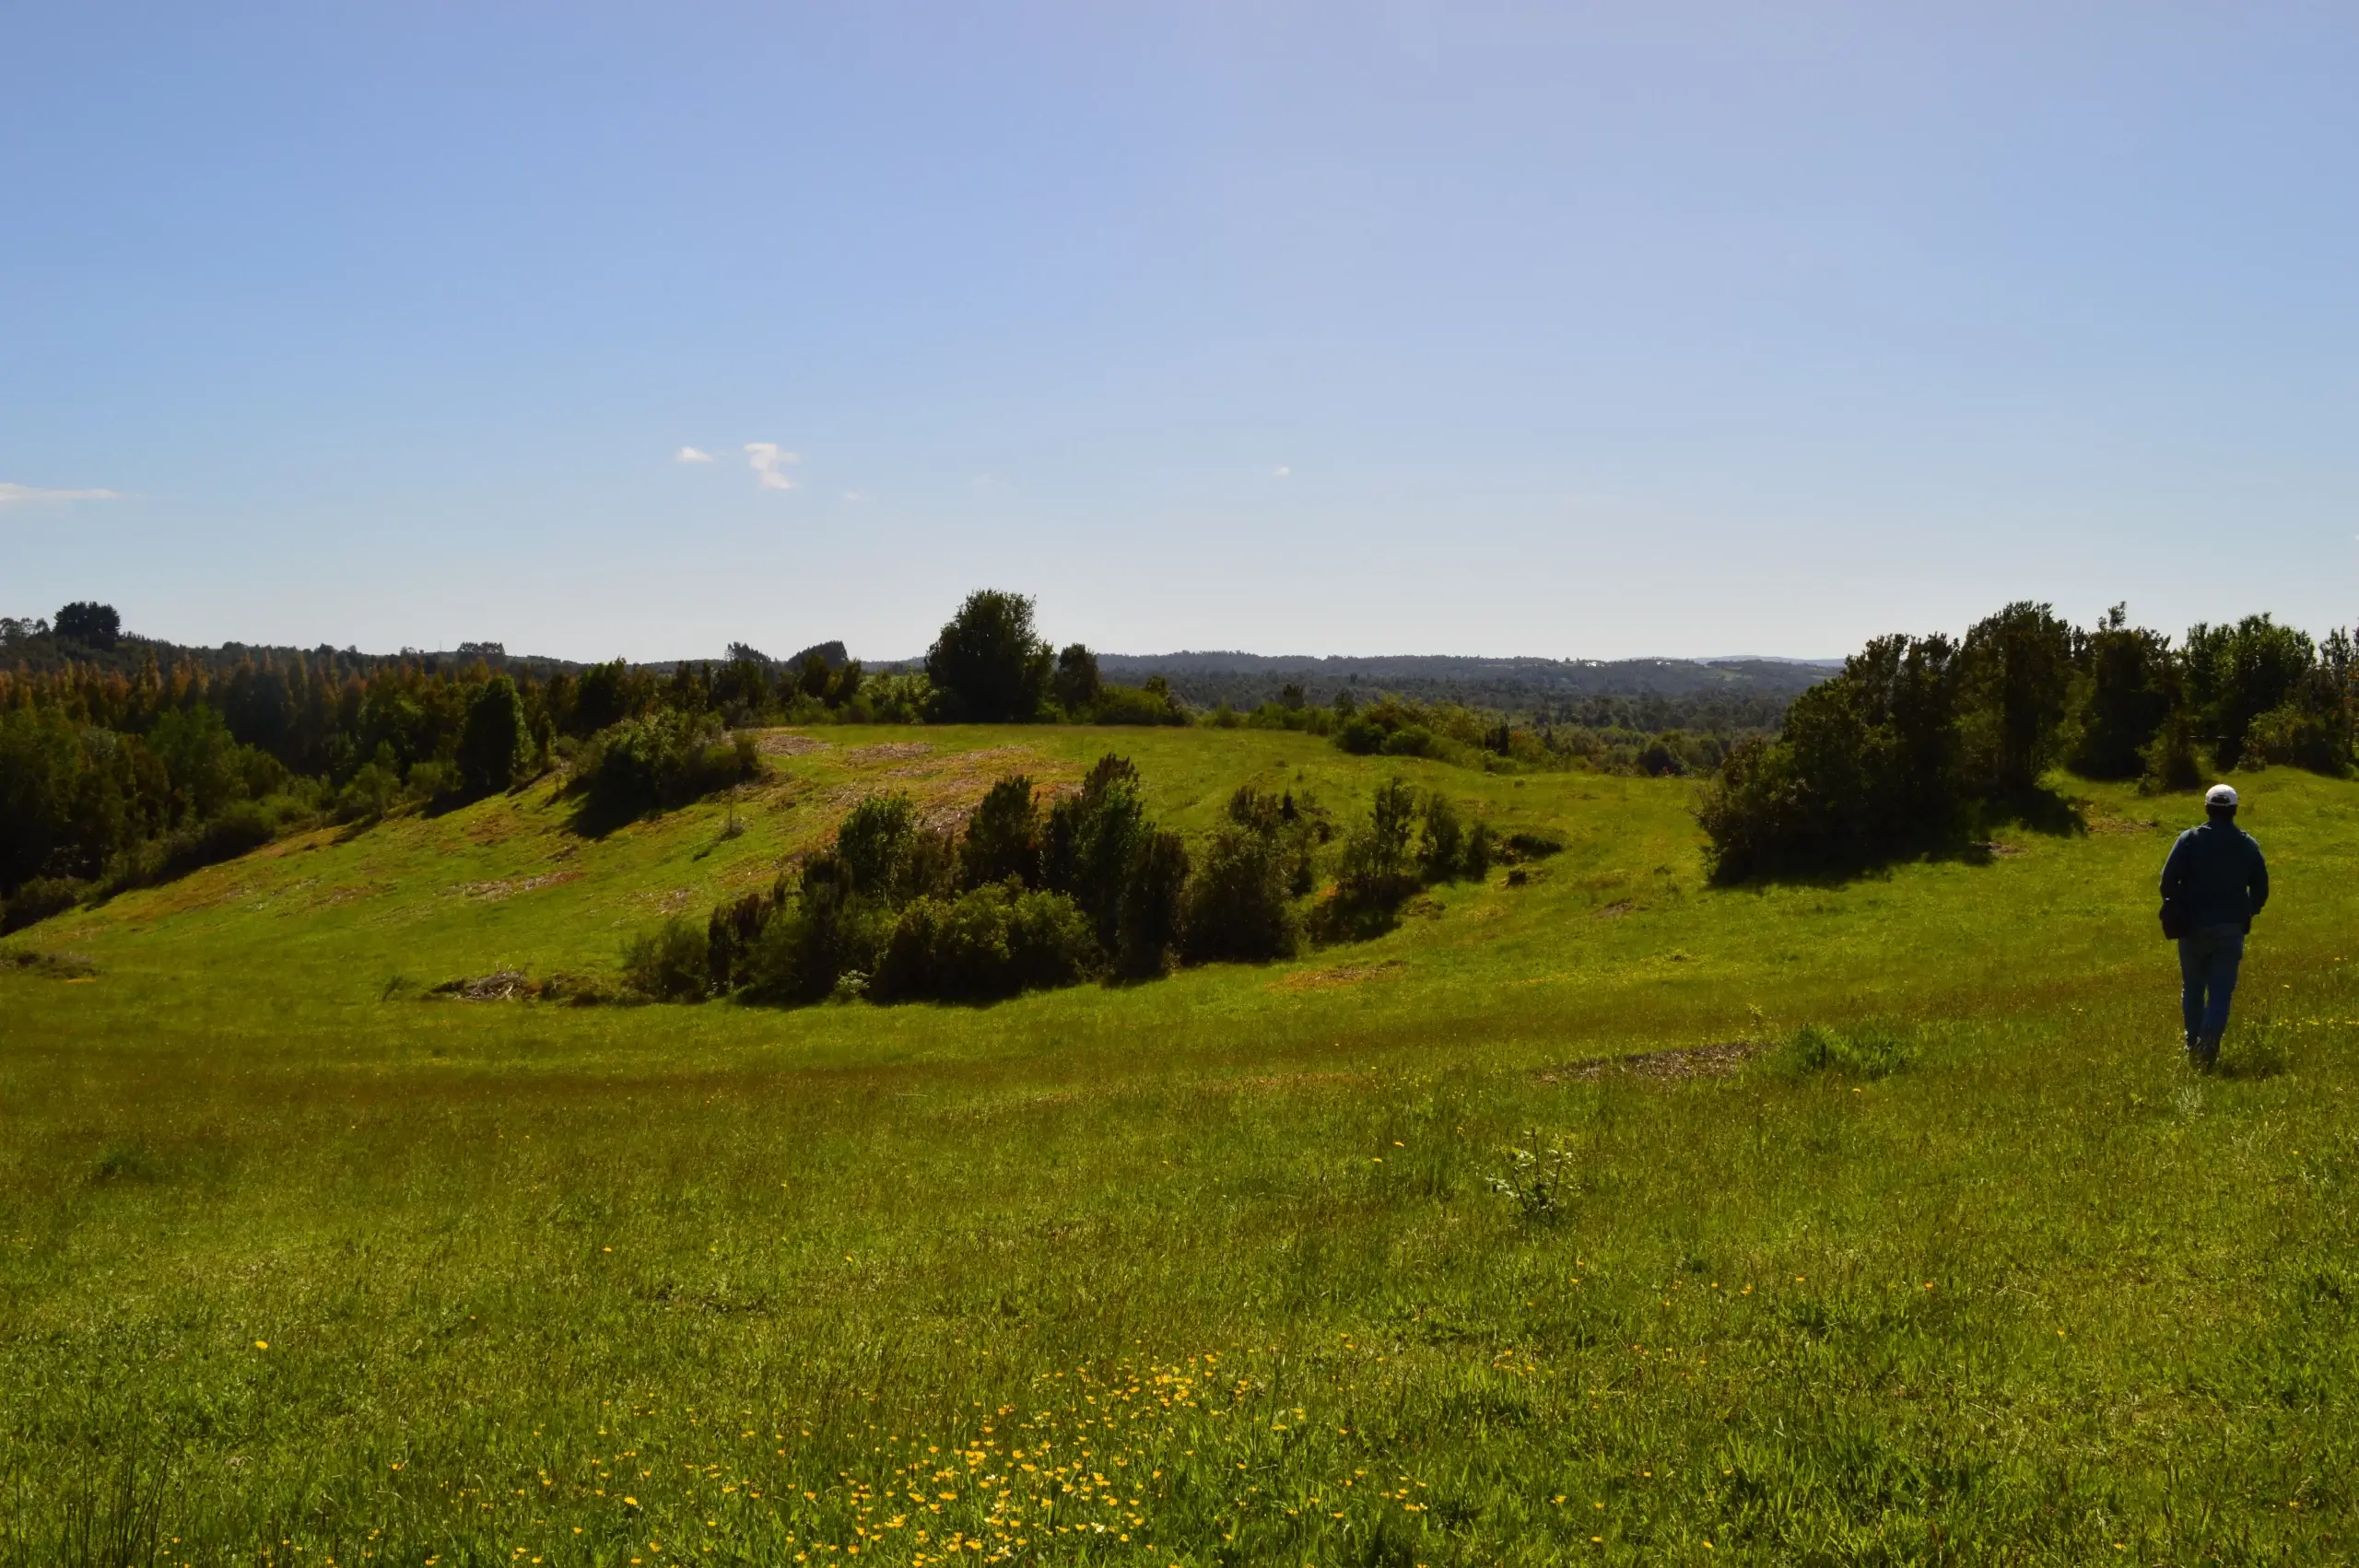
<point x="298" y="1266"/>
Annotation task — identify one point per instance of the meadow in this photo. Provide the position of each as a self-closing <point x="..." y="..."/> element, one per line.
<point x="302" y="1263"/>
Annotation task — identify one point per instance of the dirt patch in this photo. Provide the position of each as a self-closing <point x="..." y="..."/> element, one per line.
<point x="1616" y="909"/>
<point x="492" y="891"/>
<point x="2121" y="825"/>
<point x="1329" y="980"/>
<point x="792" y="745"/>
<point x="891" y="751"/>
<point x="1992" y="847"/>
<point x="496" y="986"/>
<point x="514" y="985"/>
<point x="1688" y="1061"/>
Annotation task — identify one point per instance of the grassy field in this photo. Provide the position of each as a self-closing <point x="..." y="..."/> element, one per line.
<point x="299" y="1265"/>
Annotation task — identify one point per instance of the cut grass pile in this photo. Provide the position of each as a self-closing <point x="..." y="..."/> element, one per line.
<point x="1962" y="1267"/>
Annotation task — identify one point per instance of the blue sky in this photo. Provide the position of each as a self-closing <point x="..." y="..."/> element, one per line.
<point x="1571" y="330"/>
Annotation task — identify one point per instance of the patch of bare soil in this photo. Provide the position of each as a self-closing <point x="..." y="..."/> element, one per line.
<point x="514" y="985"/>
<point x="891" y="751"/>
<point x="1991" y="847"/>
<point x="1329" y="979"/>
<point x="776" y="744"/>
<point x="498" y="985"/>
<point x="492" y="891"/>
<point x="2121" y="825"/>
<point x="1688" y="1061"/>
<point x="1616" y="909"/>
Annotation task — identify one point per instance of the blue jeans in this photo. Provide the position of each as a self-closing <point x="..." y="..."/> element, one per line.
<point x="2208" y="957"/>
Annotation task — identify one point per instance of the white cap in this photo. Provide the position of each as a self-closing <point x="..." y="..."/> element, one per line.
<point x="2219" y="797"/>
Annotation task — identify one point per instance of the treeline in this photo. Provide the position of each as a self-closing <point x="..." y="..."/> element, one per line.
<point x="1036" y="891"/>
<point x="1921" y="742"/>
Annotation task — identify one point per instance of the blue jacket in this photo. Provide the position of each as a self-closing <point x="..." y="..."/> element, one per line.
<point x="2217" y="873"/>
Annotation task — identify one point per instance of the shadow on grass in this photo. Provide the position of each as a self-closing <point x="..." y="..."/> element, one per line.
<point x="2042" y="811"/>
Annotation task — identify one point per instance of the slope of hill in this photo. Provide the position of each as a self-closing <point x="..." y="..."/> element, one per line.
<point x="1242" y="1265"/>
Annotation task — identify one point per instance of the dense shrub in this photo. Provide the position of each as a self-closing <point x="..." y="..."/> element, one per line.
<point x="1003" y="837"/>
<point x="669" y="963"/>
<point x="37" y="900"/>
<point x="663" y="759"/>
<point x="989" y="941"/>
<point x="1240" y="900"/>
<point x="1150" y="703"/>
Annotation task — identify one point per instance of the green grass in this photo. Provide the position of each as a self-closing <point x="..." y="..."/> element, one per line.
<point x="1983" y="1275"/>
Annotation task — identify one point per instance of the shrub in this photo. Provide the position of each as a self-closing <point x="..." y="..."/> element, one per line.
<point x="1411" y="740"/>
<point x="669" y="963"/>
<point x="1441" y="840"/>
<point x="1866" y="1050"/>
<point x="664" y="759"/>
<point x="1136" y="705"/>
<point x="369" y="795"/>
<point x="39" y="899"/>
<point x="1377" y="869"/>
<point x="1237" y="905"/>
<point x="2173" y="765"/>
<point x="989" y="942"/>
<point x="1150" y="906"/>
<point x="1003" y="838"/>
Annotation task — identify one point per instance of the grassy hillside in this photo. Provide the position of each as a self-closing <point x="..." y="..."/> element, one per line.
<point x="299" y="1264"/>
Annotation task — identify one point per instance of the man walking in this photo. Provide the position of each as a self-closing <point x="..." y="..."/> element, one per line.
<point x="2214" y="883"/>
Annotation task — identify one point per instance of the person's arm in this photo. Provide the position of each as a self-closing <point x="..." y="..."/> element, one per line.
<point x="2256" y="885"/>
<point x="2175" y="869"/>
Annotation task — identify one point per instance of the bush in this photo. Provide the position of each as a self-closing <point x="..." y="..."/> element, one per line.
<point x="1136" y="705"/>
<point x="669" y="964"/>
<point x="1238" y="906"/>
<point x="990" y="942"/>
<point x="1151" y="906"/>
<point x="39" y="899"/>
<point x="1866" y="1050"/>
<point x="664" y="759"/>
<point x="2173" y="765"/>
<point x="1003" y="838"/>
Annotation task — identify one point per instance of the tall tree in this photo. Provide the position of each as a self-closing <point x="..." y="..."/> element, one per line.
<point x="989" y="666"/>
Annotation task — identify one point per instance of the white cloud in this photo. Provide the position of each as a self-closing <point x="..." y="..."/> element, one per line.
<point x="765" y="458"/>
<point x="1283" y="471"/>
<point x="691" y="454"/>
<point x="854" y="495"/>
<point x="12" y="495"/>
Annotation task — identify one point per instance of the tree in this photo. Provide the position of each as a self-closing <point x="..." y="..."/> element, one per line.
<point x="2130" y="677"/>
<point x="496" y="747"/>
<point x="988" y="666"/>
<point x="91" y="624"/>
<point x="1077" y="682"/>
<point x="2016" y="675"/>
